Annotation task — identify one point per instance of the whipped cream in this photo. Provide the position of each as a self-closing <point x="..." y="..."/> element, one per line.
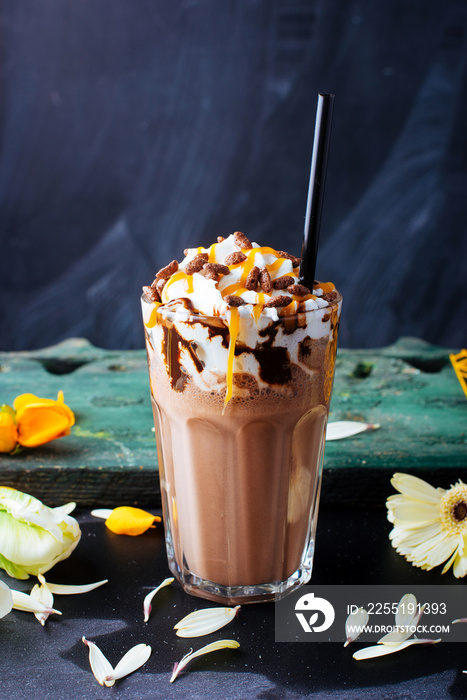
<point x="197" y="307"/>
<point x="207" y="295"/>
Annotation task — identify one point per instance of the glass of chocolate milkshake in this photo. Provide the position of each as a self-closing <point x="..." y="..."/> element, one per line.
<point x="241" y="365"/>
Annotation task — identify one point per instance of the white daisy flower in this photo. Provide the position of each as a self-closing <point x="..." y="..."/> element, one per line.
<point x="430" y="524"/>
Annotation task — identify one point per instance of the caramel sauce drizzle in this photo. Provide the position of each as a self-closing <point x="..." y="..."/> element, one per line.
<point x="234" y="324"/>
<point x="327" y="287"/>
<point x="152" y="320"/>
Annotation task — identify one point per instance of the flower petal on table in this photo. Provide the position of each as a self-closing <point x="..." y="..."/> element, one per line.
<point x="126" y="520"/>
<point x="68" y="589"/>
<point x="201" y="622"/>
<point x="214" y="646"/>
<point x="347" y="428"/>
<point x="6" y="599"/>
<point x="44" y="595"/>
<point x="133" y="659"/>
<point x="103" y="513"/>
<point x="147" y="607"/>
<point x="23" y="601"/>
<point x="100" y="665"/>
<point x="384" y="649"/>
<point x="406" y="610"/>
<point x="357" y="619"/>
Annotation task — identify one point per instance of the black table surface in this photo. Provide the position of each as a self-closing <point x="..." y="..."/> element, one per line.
<point x="51" y="662"/>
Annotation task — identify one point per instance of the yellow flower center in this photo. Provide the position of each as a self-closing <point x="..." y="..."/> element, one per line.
<point x="453" y="508"/>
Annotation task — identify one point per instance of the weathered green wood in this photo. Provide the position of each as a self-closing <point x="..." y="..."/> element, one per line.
<point x="412" y="391"/>
<point x="110" y="457"/>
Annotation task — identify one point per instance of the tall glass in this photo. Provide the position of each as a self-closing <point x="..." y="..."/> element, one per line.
<point x="240" y="482"/>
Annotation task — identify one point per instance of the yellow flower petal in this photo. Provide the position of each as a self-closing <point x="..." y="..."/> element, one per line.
<point x="41" y="420"/>
<point x="126" y="520"/>
<point x="8" y="432"/>
<point x="25" y="400"/>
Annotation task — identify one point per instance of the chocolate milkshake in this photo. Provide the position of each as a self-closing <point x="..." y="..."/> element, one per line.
<point x="241" y="364"/>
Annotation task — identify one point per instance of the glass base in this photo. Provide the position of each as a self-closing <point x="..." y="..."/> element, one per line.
<point x="240" y="595"/>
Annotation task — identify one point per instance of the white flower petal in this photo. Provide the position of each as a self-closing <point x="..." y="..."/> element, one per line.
<point x="416" y="488"/>
<point x="433" y="552"/>
<point x="357" y="619"/>
<point x="459" y="558"/>
<point x="67" y="508"/>
<point x="133" y="659"/>
<point x="6" y="599"/>
<point x="394" y="638"/>
<point x="460" y="567"/>
<point x="147" y="607"/>
<point x="100" y="665"/>
<point x="214" y="646"/>
<point x="66" y="589"/>
<point x="383" y="650"/>
<point x="44" y="595"/>
<point x="406" y="610"/>
<point x="347" y="428"/>
<point x="402" y="508"/>
<point x="201" y="622"/>
<point x="411" y="537"/>
<point x="441" y="551"/>
<point x="103" y="513"/>
<point x="23" y="601"/>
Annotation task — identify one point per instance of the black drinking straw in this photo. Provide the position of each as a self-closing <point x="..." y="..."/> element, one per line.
<point x="314" y="205"/>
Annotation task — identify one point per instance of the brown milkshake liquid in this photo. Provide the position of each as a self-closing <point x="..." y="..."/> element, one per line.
<point x="240" y="479"/>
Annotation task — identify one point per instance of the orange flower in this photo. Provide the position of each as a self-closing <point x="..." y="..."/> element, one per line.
<point x="41" y="420"/>
<point x="8" y="430"/>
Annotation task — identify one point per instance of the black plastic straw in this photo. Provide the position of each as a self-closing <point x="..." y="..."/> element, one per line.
<point x="314" y="205"/>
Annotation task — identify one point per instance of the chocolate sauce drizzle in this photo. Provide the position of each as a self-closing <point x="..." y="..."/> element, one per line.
<point x="274" y="362"/>
<point x="174" y="343"/>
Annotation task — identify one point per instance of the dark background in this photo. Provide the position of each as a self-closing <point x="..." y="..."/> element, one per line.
<point x="131" y="129"/>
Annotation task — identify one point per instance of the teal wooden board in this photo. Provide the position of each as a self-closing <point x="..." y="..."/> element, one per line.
<point x="110" y="457"/>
